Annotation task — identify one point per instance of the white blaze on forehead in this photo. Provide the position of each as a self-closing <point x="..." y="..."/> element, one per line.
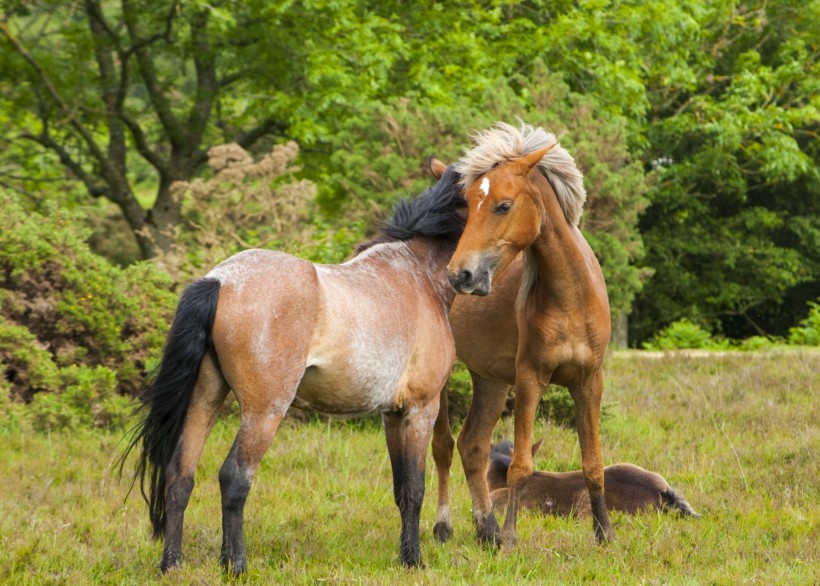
<point x="485" y="189"/>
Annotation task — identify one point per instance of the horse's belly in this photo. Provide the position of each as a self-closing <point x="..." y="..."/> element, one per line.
<point x="348" y="391"/>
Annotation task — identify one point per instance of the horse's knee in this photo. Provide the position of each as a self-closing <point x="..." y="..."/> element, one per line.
<point x="594" y="478"/>
<point x="443" y="450"/>
<point x="519" y="472"/>
<point x="234" y="485"/>
<point x="178" y="493"/>
<point x="473" y="455"/>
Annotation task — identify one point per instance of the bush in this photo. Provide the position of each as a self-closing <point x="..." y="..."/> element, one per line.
<point x="684" y="334"/>
<point x="247" y="203"/>
<point x="807" y="332"/>
<point x="75" y="330"/>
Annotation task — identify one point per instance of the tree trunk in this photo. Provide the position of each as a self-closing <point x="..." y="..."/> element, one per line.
<point x="620" y="331"/>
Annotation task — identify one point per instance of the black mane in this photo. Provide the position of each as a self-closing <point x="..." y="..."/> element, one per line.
<point x="436" y="213"/>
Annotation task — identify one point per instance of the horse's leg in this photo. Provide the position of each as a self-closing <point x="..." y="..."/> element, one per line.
<point x="408" y="435"/>
<point x="443" y="456"/>
<point x="208" y="396"/>
<point x="256" y="430"/>
<point x="474" y="448"/>
<point x="527" y="395"/>
<point x="587" y="398"/>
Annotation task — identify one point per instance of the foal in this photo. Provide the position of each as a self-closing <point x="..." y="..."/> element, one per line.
<point x="525" y="195"/>
<point x="629" y="488"/>
<point x="370" y="335"/>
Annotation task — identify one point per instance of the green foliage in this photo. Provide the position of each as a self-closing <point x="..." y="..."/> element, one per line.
<point x="74" y="329"/>
<point x="88" y="399"/>
<point x="699" y="116"/>
<point x="732" y="232"/>
<point x="680" y="335"/>
<point x="807" y="332"/>
<point x="557" y="407"/>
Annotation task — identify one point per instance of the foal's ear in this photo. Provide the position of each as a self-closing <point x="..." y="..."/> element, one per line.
<point x="527" y="162"/>
<point x="437" y="168"/>
<point x="537" y="446"/>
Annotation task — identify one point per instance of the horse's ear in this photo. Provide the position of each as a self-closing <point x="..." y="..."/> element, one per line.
<point x="537" y="445"/>
<point x="437" y="168"/>
<point x="527" y="162"/>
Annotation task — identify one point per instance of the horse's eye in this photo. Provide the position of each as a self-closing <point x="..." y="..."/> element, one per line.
<point x="503" y="207"/>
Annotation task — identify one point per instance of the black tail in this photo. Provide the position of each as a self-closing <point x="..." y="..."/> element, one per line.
<point x="674" y="501"/>
<point x="167" y="398"/>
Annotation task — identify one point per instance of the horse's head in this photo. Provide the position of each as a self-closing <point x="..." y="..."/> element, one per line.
<point x="504" y="218"/>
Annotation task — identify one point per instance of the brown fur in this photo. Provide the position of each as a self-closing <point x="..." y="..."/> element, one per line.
<point x="629" y="488"/>
<point x="369" y="335"/>
<point x="549" y="323"/>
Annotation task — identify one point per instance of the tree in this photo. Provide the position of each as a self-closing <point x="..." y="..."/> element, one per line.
<point x="94" y="85"/>
<point x="733" y="231"/>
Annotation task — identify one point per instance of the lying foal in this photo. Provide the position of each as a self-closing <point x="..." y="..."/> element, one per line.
<point x="627" y="488"/>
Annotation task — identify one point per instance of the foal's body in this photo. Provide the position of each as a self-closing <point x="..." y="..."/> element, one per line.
<point x="629" y="489"/>
<point x="370" y="335"/>
<point x="522" y="249"/>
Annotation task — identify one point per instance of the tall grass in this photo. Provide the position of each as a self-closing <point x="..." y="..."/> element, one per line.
<point x="737" y="435"/>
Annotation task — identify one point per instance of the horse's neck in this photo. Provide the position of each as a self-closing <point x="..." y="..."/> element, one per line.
<point x="432" y="256"/>
<point x="555" y="262"/>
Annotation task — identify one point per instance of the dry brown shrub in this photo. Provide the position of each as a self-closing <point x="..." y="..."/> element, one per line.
<point x="244" y="204"/>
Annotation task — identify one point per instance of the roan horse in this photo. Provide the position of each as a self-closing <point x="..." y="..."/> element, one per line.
<point x="545" y="318"/>
<point x="370" y="335"/>
<point x="629" y="488"/>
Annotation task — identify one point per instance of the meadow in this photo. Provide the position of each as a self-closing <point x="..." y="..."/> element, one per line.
<point x="736" y="433"/>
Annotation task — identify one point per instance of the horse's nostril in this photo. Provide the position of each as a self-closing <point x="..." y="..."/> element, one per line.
<point x="465" y="277"/>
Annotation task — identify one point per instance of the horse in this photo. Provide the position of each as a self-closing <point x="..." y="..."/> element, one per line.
<point x="369" y="335"/>
<point x="548" y="323"/>
<point x="629" y="488"/>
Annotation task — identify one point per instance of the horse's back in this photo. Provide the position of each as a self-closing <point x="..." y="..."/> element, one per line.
<point x="631" y="489"/>
<point x="269" y="305"/>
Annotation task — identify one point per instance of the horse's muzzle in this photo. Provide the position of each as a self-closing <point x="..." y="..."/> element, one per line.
<point x="468" y="282"/>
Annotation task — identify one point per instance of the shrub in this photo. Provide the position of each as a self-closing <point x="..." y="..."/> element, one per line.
<point x="75" y="330"/>
<point x="684" y="334"/>
<point x="245" y="203"/>
<point x="807" y="332"/>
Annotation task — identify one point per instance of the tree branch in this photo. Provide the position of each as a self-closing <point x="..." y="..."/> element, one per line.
<point x="44" y="139"/>
<point x="162" y="106"/>
<point x="55" y="96"/>
<point x="207" y="85"/>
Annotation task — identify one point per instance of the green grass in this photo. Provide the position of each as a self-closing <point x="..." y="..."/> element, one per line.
<point x="737" y="435"/>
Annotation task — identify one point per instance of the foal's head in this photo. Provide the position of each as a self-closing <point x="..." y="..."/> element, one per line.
<point x="505" y="178"/>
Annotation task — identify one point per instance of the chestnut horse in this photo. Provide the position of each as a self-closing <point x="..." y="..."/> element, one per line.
<point x="370" y="335"/>
<point x="548" y="323"/>
<point x="629" y="488"/>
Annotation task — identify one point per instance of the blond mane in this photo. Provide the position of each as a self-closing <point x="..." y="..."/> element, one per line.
<point x="503" y="142"/>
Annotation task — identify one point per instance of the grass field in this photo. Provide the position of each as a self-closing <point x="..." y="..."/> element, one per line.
<point x="736" y="434"/>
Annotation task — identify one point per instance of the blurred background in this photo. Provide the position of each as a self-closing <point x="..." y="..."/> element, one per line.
<point x="142" y="142"/>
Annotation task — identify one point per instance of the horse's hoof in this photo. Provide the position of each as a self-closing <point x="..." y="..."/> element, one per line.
<point x="233" y="567"/>
<point x="508" y="543"/>
<point x="442" y="532"/>
<point x="413" y="561"/>
<point x="604" y="536"/>
<point x="488" y="530"/>
<point x="170" y="563"/>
